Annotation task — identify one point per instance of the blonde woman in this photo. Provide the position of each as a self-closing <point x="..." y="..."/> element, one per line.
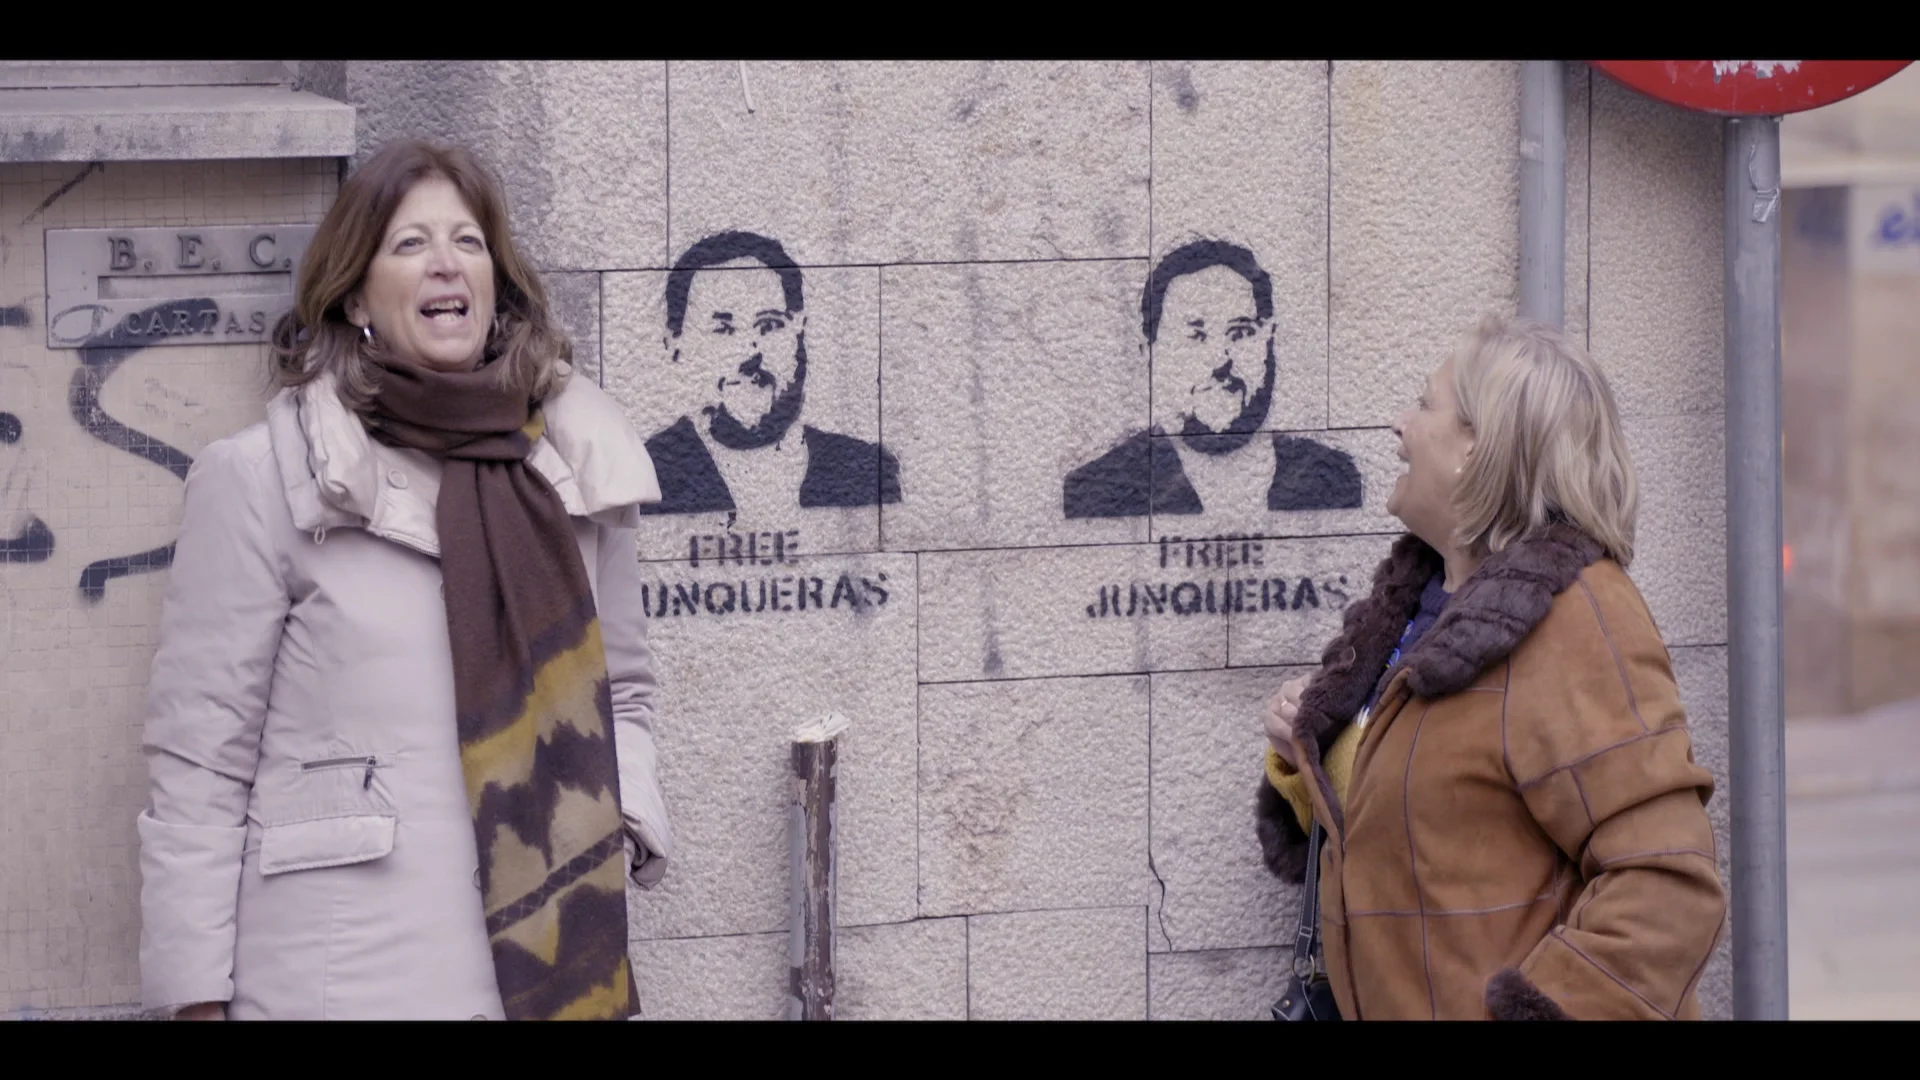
<point x="1513" y="823"/>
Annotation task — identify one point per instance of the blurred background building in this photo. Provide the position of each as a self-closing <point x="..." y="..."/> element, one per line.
<point x="1851" y="411"/>
<point x="1851" y="408"/>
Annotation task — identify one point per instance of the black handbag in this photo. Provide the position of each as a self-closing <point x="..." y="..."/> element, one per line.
<point x="1309" y="995"/>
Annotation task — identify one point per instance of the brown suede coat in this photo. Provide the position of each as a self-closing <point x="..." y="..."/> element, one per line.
<point x="1525" y="833"/>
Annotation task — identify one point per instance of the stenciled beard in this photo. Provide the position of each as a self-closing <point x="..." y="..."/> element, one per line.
<point x="1240" y="432"/>
<point x="728" y="431"/>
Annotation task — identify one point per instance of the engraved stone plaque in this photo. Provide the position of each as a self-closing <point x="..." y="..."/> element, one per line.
<point x="186" y="285"/>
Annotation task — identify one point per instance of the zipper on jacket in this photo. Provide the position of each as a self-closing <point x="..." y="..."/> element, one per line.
<point x="339" y="763"/>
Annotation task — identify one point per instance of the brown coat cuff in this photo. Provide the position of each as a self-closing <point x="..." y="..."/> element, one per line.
<point x="1283" y="843"/>
<point x="1511" y="996"/>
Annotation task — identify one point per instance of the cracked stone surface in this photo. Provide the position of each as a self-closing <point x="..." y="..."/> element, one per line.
<point x="902" y="971"/>
<point x="1702" y="675"/>
<point x="1424" y="221"/>
<point x="1658" y="253"/>
<point x="899" y="971"/>
<point x="575" y="301"/>
<point x="1680" y="546"/>
<point x="1216" y="984"/>
<point x="727" y="716"/>
<point x="1037" y="612"/>
<point x="999" y="381"/>
<point x="1058" y="965"/>
<point x="741" y="977"/>
<point x="1033" y="795"/>
<point x="580" y="146"/>
<point x="1208" y="747"/>
<point x="915" y="162"/>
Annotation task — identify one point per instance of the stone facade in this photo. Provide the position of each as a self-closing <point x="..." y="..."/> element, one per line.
<point x="1053" y="674"/>
<point x="94" y="443"/>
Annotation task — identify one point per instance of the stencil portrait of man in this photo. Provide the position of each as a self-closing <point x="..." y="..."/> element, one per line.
<point x="736" y="327"/>
<point x="1207" y="315"/>
<point x="24" y="538"/>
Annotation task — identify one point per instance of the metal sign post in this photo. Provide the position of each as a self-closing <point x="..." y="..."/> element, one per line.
<point x="1752" y="94"/>
<point x="1543" y="192"/>
<point x="1755" y="702"/>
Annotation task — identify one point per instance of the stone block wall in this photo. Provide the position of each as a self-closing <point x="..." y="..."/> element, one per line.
<point x="1053" y="666"/>
<point x="94" y="444"/>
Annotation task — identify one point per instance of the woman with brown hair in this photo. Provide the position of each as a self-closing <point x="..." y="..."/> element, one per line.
<point x="399" y="733"/>
<point x="1511" y="822"/>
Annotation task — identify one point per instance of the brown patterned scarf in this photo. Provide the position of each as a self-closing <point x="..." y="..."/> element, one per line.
<point x="535" y="715"/>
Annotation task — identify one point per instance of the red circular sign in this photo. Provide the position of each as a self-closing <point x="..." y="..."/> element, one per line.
<point x="1750" y="87"/>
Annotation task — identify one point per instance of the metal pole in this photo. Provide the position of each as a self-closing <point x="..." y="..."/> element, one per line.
<point x="1543" y="191"/>
<point x="1755" y="707"/>
<point x="811" y="875"/>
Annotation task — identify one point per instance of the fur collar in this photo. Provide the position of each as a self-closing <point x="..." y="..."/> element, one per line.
<point x="1497" y="608"/>
<point x="1491" y="614"/>
<point x="1482" y="624"/>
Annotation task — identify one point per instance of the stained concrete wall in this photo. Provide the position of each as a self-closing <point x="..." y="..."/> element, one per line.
<point x="94" y="444"/>
<point x="1048" y="782"/>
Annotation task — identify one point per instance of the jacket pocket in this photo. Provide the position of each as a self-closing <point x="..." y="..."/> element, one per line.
<point x="328" y="841"/>
<point x="324" y="812"/>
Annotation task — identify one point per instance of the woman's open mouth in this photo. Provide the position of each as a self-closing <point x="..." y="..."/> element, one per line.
<point x="446" y="312"/>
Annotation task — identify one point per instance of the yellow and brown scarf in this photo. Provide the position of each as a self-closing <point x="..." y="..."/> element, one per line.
<point x="535" y="716"/>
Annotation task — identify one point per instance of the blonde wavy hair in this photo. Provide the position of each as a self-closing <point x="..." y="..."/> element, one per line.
<point x="1547" y="441"/>
<point x="525" y="344"/>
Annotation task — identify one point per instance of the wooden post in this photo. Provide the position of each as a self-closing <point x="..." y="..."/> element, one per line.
<point x="811" y="876"/>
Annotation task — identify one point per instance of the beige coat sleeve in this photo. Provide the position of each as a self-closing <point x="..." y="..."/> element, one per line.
<point x="630" y="673"/>
<point x="220" y="628"/>
<point x="1598" y="745"/>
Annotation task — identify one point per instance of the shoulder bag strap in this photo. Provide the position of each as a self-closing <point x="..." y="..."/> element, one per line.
<point x="1306" y="941"/>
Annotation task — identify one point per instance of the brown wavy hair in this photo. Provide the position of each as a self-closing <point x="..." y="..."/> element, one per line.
<point x="524" y="344"/>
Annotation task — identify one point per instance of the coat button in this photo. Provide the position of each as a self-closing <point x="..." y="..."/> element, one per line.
<point x="476" y="877"/>
<point x="397" y="478"/>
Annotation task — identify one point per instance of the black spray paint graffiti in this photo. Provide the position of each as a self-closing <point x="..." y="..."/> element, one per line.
<point x="1220" y="333"/>
<point x="745" y="549"/>
<point x="1236" y="596"/>
<point x="765" y="595"/>
<point x="744" y="333"/>
<point x="1233" y="592"/>
<point x="35" y="542"/>
<point x="100" y="357"/>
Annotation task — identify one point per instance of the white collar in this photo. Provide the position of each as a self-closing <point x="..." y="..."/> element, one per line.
<point x="334" y="472"/>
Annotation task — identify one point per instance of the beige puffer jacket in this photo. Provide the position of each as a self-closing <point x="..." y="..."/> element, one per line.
<point x="306" y="850"/>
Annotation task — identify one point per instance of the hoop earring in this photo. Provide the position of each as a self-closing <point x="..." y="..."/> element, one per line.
<point x="367" y="333"/>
